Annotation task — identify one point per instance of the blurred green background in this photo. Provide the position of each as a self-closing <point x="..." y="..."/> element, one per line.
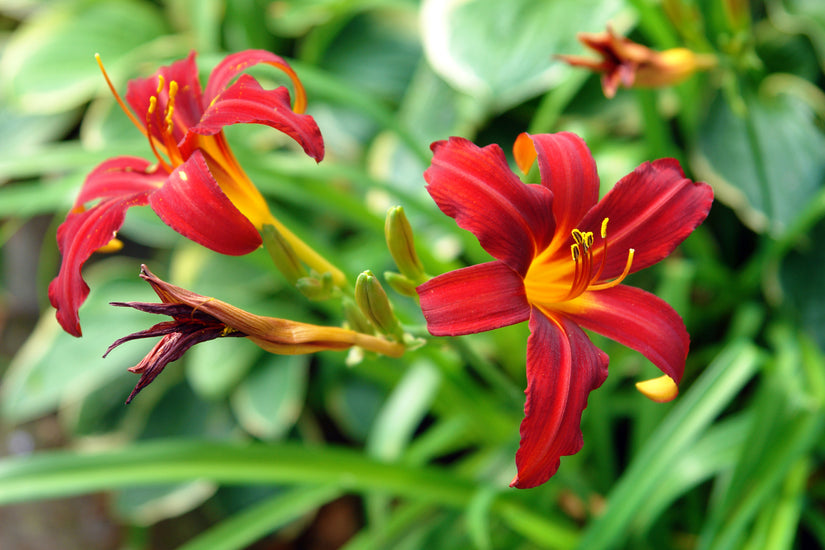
<point x="235" y="448"/>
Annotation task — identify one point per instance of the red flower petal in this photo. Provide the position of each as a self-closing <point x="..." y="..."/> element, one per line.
<point x="233" y="64"/>
<point x="563" y="367"/>
<point x="245" y="101"/>
<point x="191" y="202"/>
<point x="638" y="320"/>
<point x="189" y="104"/>
<point x="569" y="171"/>
<point x="119" y="177"/>
<point x="77" y="238"/>
<point x="652" y="210"/>
<point x="473" y="299"/>
<point x="474" y="185"/>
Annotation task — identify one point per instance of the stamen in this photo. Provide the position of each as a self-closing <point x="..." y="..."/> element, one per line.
<point x="170" y="107"/>
<point x="574" y="251"/>
<point x="604" y="227"/>
<point x="161" y="82"/>
<point x="120" y="102"/>
<point x="620" y="278"/>
<point x="153" y="102"/>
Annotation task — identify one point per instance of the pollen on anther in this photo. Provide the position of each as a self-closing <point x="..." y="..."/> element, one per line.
<point x="161" y="82"/>
<point x="574" y="251"/>
<point x="604" y="227"/>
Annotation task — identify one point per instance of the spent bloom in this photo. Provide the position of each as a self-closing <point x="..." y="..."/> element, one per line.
<point x="560" y="258"/>
<point x="197" y="318"/>
<point x="627" y="63"/>
<point x="194" y="184"/>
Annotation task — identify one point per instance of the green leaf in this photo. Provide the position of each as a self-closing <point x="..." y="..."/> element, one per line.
<point x="501" y="52"/>
<point x="708" y="396"/>
<point x="62" y="473"/>
<point x="215" y="368"/>
<point x="765" y="162"/>
<point x="269" y="400"/>
<point x="49" y="66"/>
<point x="244" y="528"/>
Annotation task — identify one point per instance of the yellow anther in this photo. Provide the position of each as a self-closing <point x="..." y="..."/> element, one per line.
<point x="227" y="331"/>
<point x="153" y="103"/>
<point x="604" y="227"/>
<point x="574" y="251"/>
<point x="170" y="106"/>
<point x="161" y="82"/>
<point x="578" y="237"/>
<point x="588" y="240"/>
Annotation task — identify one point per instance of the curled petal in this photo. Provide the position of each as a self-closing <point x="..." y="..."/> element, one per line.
<point x="473" y="299"/>
<point x="188" y="100"/>
<point x="569" y="171"/>
<point x="232" y="65"/>
<point x="652" y="210"/>
<point x="638" y="320"/>
<point x="77" y="238"/>
<point x="247" y="102"/>
<point x="563" y="367"/>
<point x="191" y="202"/>
<point x="474" y="185"/>
<point x="119" y="177"/>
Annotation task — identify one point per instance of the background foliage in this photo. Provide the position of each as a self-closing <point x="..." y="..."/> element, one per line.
<point x="231" y="446"/>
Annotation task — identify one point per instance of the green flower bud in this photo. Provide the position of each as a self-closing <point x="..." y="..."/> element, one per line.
<point x="282" y="254"/>
<point x="399" y="235"/>
<point x="373" y="301"/>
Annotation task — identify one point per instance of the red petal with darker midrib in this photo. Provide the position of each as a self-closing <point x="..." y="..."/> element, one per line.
<point x="639" y="320"/>
<point x="120" y="183"/>
<point x="563" y="367"/>
<point x="652" y="210"/>
<point x="77" y="238"/>
<point x="513" y="221"/>
<point x="188" y="99"/>
<point x="192" y="203"/>
<point x="247" y="102"/>
<point x="473" y="299"/>
<point x="569" y="171"/>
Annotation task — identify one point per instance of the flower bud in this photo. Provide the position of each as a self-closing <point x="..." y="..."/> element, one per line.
<point x="401" y="284"/>
<point x="401" y="243"/>
<point x="282" y="254"/>
<point x="373" y="301"/>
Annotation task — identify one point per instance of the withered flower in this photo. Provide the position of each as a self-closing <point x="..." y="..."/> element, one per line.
<point x="197" y="318"/>
<point x="628" y="63"/>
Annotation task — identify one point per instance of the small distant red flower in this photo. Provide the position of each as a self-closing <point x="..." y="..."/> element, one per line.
<point x="627" y="63"/>
<point x="195" y="185"/>
<point x="561" y="255"/>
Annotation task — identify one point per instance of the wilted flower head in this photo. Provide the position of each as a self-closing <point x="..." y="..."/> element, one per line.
<point x="197" y="318"/>
<point x="627" y="63"/>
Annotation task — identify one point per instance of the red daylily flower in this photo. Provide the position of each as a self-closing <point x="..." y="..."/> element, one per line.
<point x="628" y="63"/>
<point x="196" y="185"/>
<point x="197" y="318"/>
<point x="561" y="255"/>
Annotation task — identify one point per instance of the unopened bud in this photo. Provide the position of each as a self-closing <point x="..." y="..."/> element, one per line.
<point x="401" y="243"/>
<point x="401" y="284"/>
<point x="282" y="254"/>
<point x="317" y="288"/>
<point x="373" y="301"/>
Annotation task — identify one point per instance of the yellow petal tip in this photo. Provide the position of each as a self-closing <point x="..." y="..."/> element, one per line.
<point x="661" y="389"/>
